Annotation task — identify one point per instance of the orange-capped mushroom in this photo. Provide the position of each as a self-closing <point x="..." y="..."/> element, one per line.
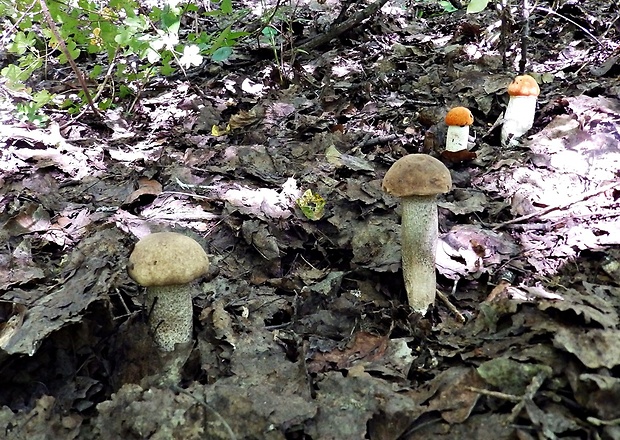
<point x="524" y="85"/>
<point x="459" y="116"/>
<point x="519" y="115"/>
<point x="458" y="121"/>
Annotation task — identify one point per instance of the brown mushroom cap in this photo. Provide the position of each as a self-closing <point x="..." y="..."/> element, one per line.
<point x="167" y="258"/>
<point x="459" y="116"/>
<point x="524" y="85"/>
<point x="417" y="175"/>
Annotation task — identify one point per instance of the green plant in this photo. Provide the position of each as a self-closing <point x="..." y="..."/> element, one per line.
<point x="477" y="6"/>
<point x="447" y="6"/>
<point x="30" y="111"/>
<point x="277" y="31"/>
<point x="118" y="44"/>
<point x="270" y="33"/>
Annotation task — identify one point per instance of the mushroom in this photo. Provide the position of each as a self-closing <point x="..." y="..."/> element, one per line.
<point x="458" y="121"/>
<point x="166" y="263"/>
<point x="519" y="115"/>
<point x="417" y="179"/>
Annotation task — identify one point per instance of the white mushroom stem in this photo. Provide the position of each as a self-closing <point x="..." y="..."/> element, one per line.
<point x="518" y="118"/>
<point x="170" y="319"/>
<point x="419" y="243"/>
<point x="457" y="137"/>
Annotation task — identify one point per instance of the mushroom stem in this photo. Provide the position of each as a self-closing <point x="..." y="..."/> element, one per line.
<point x="519" y="117"/>
<point x="419" y="243"/>
<point x="170" y="318"/>
<point x="457" y="137"/>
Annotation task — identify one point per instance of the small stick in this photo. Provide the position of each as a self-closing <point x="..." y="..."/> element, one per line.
<point x="530" y="392"/>
<point x="525" y="34"/>
<point x="63" y="48"/>
<point x="588" y="33"/>
<point x="450" y="306"/>
<point x="551" y="208"/>
<point x="496" y="394"/>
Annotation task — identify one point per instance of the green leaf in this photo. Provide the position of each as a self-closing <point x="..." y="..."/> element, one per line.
<point x="73" y="51"/>
<point x="312" y="205"/>
<point x="170" y="22"/>
<point x="42" y="98"/>
<point x="124" y="36"/>
<point x="125" y="91"/>
<point x="269" y="32"/>
<point x="97" y="69"/>
<point x="226" y="6"/>
<point x="235" y="35"/>
<point x="222" y="54"/>
<point x="476" y="6"/>
<point x="447" y="6"/>
<point x="30" y="62"/>
<point x="105" y="104"/>
<point x="137" y="23"/>
<point x="15" y="77"/>
<point x="166" y="66"/>
<point x="21" y="43"/>
<point x="201" y="39"/>
<point x="30" y="112"/>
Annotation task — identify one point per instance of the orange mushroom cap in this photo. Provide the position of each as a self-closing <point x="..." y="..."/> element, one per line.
<point x="460" y="116"/>
<point x="524" y="85"/>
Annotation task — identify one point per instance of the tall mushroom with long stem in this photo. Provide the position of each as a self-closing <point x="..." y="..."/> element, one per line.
<point x="417" y="179"/>
<point x="519" y="115"/>
<point x="167" y="263"/>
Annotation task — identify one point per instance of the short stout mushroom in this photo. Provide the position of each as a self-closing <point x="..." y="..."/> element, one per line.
<point x="417" y="179"/>
<point x="167" y="263"/>
<point x="458" y="121"/>
<point x="519" y="115"/>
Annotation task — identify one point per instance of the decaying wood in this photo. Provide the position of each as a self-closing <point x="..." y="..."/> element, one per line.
<point x="343" y="27"/>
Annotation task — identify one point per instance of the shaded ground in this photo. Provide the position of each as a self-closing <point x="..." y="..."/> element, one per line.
<point x="302" y="328"/>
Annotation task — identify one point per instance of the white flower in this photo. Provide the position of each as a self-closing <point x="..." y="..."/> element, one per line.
<point x="191" y="56"/>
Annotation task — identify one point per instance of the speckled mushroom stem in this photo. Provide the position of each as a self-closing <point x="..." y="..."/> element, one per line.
<point x="419" y="243"/>
<point x="518" y="118"/>
<point x="170" y="319"/>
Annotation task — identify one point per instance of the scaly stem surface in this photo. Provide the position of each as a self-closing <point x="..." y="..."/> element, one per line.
<point x="419" y="243"/>
<point x="170" y="319"/>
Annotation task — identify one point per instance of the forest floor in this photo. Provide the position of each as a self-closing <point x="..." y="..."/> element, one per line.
<point x="302" y="328"/>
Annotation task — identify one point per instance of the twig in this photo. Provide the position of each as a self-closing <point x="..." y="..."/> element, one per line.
<point x="65" y="51"/>
<point x="496" y="394"/>
<point x="505" y="30"/>
<point x="450" y="306"/>
<point x="550" y="11"/>
<point x="600" y="422"/>
<point x="8" y="33"/>
<point x="343" y="27"/>
<point x="525" y="35"/>
<point x="529" y="394"/>
<point x="209" y="408"/>
<point x="551" y="208"/>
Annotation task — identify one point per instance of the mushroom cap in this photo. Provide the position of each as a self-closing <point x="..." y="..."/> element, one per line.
<point x="166" y="259"/>
<point x="460" y="116"/>
<point x="417" y="175"/>
<point x="524" y="85"/>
